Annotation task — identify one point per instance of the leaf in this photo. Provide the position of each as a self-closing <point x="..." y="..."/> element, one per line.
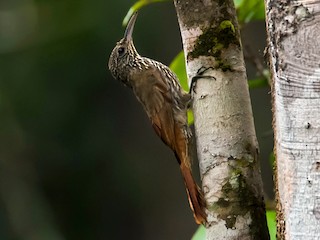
<point x="258" y="83"/>
<point x="248" y="10"/>
<point x="272" y="159"/>
<point x="136" y="7"/>
<point x="272" y="226"/>
<point x="200" y="234"/>
<point x="237" y="3"/>
<point x="190" y="117"/>
<point x="178" y="66"/>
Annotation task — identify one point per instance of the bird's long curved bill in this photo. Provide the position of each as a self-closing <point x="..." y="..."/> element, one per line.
<point x="130" y="26"/>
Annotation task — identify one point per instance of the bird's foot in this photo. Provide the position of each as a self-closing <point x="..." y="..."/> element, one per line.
<point x="199" y="75"/>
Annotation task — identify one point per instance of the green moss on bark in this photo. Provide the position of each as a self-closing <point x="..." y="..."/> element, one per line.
<point x="239" y="199"/>
<point x="214" y="40"/>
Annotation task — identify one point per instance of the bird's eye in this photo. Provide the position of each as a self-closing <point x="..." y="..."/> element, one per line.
<point x="121" y="51"/>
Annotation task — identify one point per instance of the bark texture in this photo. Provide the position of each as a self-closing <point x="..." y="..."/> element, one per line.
<point x="225" y="135"/>
<point x="294" y="54"/>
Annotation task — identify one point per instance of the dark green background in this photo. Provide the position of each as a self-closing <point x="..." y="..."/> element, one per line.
<point x="78" y="157"/>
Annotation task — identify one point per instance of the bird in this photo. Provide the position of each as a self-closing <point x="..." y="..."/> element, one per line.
<point x="158" y="89"/>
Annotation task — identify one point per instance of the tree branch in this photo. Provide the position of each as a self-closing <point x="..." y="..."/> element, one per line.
<point x="225" y="135"/>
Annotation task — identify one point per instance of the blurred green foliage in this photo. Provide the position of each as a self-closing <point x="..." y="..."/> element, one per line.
<point x="200" y="234"/>
<point x="65" y="132"/>
<point x="249" y="10"/>
<point x="178" y="66"/>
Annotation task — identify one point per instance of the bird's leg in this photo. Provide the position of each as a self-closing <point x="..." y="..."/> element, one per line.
<point x="199" y="75"/>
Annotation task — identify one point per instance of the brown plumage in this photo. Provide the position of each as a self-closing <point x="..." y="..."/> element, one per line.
<point x="158" y="90"/>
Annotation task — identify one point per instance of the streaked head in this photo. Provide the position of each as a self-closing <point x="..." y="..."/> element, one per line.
<point x="123" y="52"/>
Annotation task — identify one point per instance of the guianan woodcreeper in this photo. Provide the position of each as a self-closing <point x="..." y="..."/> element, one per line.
<point x="158" y="90"/>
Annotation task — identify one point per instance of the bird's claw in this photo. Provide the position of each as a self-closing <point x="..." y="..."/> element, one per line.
<point x="199" y="75"/>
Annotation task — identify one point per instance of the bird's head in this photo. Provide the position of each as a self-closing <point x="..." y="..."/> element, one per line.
<point x="123" y="53"/>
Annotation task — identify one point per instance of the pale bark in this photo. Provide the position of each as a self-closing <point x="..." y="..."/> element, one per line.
<point x="224" y="129"/>
<point x="294" y="54"/>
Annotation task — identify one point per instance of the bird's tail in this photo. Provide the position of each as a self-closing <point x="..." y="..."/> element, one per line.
<point x="195" y="196"/>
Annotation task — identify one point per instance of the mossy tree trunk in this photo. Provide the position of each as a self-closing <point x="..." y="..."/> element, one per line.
<point x="224" y="128"/>
<point x="294" y="54"/>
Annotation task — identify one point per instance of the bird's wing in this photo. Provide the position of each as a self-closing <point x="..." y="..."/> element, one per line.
<point x="153" y="91"/>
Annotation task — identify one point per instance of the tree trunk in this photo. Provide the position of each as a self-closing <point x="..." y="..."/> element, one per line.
<point x="294" y="54"/>
<point x="224" y="129"/>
